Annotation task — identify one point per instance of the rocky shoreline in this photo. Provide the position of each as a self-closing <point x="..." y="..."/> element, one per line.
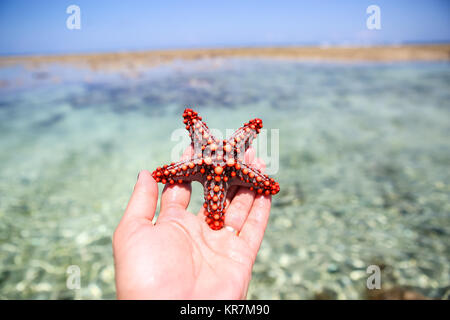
<point x="133" y="61"/>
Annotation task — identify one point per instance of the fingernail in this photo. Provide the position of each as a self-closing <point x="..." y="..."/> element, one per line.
<point x="138" y="176"/>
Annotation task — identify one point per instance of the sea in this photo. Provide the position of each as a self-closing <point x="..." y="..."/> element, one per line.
<point x="361" y="152"/>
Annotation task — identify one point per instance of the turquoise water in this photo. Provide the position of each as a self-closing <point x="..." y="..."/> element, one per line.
<point x="364" y="155"/>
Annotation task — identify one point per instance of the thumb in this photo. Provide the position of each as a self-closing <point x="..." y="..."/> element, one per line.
<point x="142" y="204"/>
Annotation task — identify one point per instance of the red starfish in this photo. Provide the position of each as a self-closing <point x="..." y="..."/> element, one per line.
<point x="217" y="165"/>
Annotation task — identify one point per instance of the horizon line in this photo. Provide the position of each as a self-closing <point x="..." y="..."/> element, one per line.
<point x="323" y="44"/>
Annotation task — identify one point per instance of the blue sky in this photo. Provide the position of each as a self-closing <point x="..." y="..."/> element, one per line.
<point x="40" y="26"/>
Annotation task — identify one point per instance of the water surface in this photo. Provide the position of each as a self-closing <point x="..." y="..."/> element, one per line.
<point x="364" y="157"/>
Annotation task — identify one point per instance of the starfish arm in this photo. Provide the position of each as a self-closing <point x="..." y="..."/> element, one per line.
<point x="201" y="138"/>
<point x="248" y="176"/>
<point x="182" y="171"/>
<point x="243" y="137"/>
<point x="215" y="196"/>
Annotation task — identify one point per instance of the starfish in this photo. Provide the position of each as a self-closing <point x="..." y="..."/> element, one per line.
<point x="217" y="165"/>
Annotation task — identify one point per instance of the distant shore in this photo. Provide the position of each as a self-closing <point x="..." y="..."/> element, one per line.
<point x="143" y="59"/>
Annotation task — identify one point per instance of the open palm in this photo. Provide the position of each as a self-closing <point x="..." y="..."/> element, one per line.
<point x="180" y="257"/>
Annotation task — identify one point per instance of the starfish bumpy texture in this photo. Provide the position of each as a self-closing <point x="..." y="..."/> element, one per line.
<point x="217" y="165"/>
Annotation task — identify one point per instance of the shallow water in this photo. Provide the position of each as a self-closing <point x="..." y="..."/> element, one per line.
<point x="364" y="154"/>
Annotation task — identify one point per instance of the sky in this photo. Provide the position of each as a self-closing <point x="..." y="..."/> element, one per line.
<point x="39" y="27"/>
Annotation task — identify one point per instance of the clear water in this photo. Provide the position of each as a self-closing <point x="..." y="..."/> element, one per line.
<point x="364" y="170"/>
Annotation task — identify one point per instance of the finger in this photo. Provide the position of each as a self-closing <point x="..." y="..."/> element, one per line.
<point x="249" y="157"/>
<point x="143" y="201"/>
<point x="231" y="193"/>
<point x="239" y="208"/>
<point x="255" y="225"/>
<point x="177" y="196"/>
<point x="242" y="203"/>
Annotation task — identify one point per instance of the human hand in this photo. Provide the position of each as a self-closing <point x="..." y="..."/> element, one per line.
<point x="180" y="257"/>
